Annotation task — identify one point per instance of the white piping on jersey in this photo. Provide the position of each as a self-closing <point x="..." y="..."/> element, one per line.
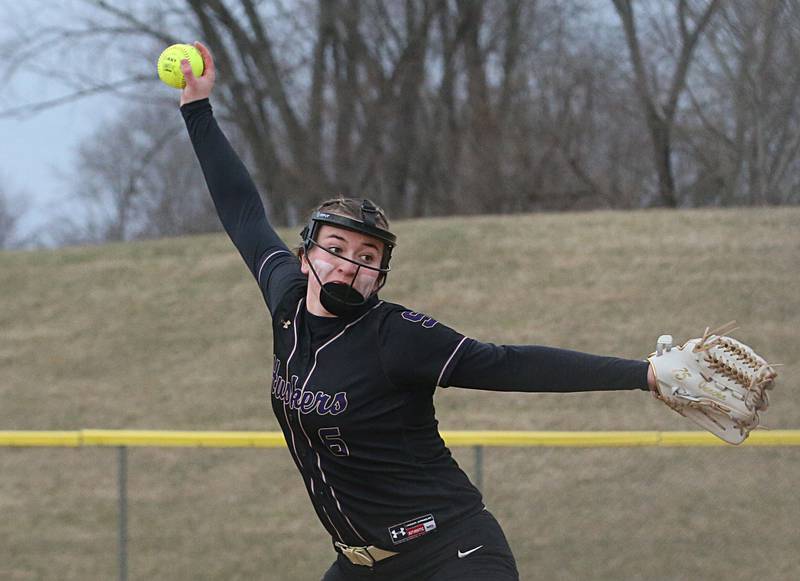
<point x="285" y="414"/>
<point x="328" y="342"/>
<point x="263" y="264"/>
<point x="453" y="354"/>
<point x="299" y="418"/>
<point x="289" y="425"/>
<point x="313" y="492"/>
<point x="333" y="492"/>
<point x="338" y="534"/>
<point x="339" y="506"/>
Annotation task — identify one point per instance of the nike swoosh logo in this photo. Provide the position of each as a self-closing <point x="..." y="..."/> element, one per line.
<point x="467" y="553"/>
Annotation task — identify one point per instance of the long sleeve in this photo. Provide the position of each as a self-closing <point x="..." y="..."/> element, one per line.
<point x="239" y="205"/>
<point x="533" y="368"/>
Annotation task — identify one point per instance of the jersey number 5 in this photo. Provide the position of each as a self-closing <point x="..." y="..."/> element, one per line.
<point x="330" y="437"/>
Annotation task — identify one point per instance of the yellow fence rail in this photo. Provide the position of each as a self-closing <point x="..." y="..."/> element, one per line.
<point x="197" y="439"/>
<point x="124" y="439"/>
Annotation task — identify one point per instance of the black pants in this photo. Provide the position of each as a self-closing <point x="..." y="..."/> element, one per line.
<point x="449" y="556"/>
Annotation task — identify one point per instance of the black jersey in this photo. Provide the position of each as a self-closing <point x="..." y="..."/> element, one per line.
<point x="354" y="396"/>
<point x="361" y="426"/>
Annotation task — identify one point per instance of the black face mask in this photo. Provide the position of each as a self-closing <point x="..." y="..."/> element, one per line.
<point x="341" y="299"/>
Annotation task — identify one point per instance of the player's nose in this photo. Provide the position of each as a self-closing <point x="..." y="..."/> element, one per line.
<point x="346" y="266"/>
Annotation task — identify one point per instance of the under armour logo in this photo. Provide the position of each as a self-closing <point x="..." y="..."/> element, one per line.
<point x="409" y="530"/>
<point x="401" y="532"/>
<point x="286" y="324"/>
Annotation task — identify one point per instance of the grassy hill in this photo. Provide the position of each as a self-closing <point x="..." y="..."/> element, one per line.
<point x="173" y="334"/>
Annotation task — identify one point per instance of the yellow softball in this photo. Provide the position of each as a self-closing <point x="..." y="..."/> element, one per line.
<point x="169" y="64"/>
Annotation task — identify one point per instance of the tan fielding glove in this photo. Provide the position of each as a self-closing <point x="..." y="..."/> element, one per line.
<point x="716" y="381"/>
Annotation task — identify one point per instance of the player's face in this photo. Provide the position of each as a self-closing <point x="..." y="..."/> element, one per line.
<point x="364" y="250"/>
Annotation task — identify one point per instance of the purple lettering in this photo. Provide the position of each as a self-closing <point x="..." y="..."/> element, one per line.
<point x="307" y="402"/>
<point x="324" y="403"/>
<point x="296" y="392"/>
<point x="339" y="403"/>
<point x="413" y="317"/>
<point x="276" y="366"/>
<point x="427" y="322"/>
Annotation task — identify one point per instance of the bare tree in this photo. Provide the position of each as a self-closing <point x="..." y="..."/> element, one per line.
<point x="11" y="213"/>
<point x="745" y="142"/>
<point x="138" y="179"/>
<point x="439" y="106"/>
<point x="660" y="110"/>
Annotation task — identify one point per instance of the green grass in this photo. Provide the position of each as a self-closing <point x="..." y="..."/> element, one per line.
<point x="172" y="334"/>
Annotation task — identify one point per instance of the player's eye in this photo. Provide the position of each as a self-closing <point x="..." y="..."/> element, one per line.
<point x="335" y="249"/>
<point x="367" y="258"/>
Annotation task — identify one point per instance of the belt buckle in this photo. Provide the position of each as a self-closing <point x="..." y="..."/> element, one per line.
<point x="356" y="555"/>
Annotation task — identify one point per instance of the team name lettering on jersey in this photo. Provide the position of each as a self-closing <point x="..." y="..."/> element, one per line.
<point x="306" y="402"/>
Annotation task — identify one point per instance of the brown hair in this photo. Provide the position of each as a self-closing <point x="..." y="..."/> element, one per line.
<point x="351" y="208"/>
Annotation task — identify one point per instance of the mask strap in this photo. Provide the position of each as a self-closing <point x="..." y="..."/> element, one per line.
<point x="369" y="213"/>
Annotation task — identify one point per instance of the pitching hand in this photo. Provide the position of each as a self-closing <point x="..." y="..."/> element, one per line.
<point x="198" y="88"/>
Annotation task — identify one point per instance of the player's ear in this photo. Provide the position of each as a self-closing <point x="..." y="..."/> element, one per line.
<point x="303" y="262"/>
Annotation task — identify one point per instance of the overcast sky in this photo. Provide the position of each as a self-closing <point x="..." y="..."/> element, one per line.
<point x="38" y="152"/>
